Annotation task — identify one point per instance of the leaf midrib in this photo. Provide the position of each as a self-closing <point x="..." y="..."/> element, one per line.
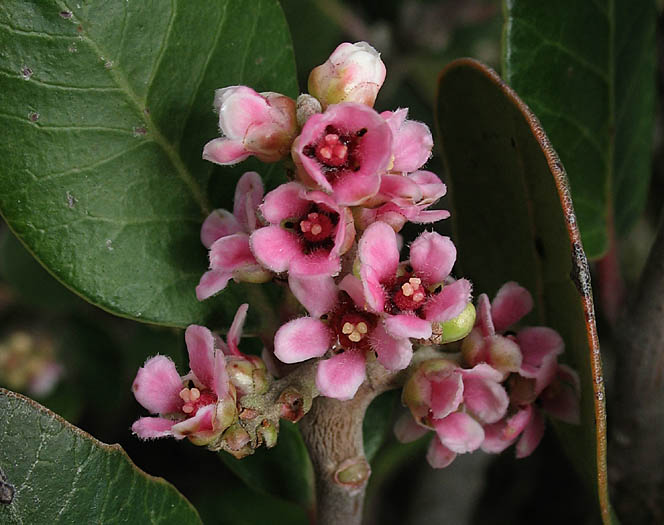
<point x="155" y="134"/>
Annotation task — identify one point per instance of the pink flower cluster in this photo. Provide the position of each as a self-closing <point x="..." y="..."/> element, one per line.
<point x="493" y="393"/>
<point x="332" y="232"/>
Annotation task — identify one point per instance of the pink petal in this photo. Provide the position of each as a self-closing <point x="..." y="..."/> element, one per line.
<point x="431" y="186"/>
<point x="432" y="256"/>
<point x="202" y="422"/>
<point x="459" y="432"/>
<point x="393" y="353"/>
<point x="217" y="225"/>
<point x="248" y="196"/>
<point x="446" y="395"/>
<point x="240" y="107"/>
<point x="449" y="303"/>
<point x="285" y="202"/>
<point x="406" y="430"/>
<point x="231" y="252"/>
<point x="275" y="247"/>
<point x="235" y="331"/>
<point x="484" y="396"/>
<point x="353" y="287"/>
<point x="302" y="339"/>
<point x="438" y="455"/>
<point x="320" y="262"/>
<point x="484" y="320"/>
<point x="511" y="303"/>
<point x="561" y="399"/>
<point x="351" y="189"/>
<point x="157" y="386"/>
<point x="538" y="343"/>
<point x="317" y="293"/>
<point x="429" y="216"/>
<point x="378" y="249"/>
<point x="412" y="146"/>
<point x="400" y="189"/>
<point x="532" y="435"/>
<point x="500" y="435"/>
<point x="200" y="345"/>
<point x="221" y="383"/>
<point x="225" y="152"/>
<point x="153" y="427"/>
<point x="504" y="354"/>
<point x="211" y="283"/>
<point x="341" y="375"/>
<point x="374" y="292"/>
<point x="405" y="326"/>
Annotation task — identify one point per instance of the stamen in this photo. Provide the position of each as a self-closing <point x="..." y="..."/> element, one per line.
<point x="362" y="327"/>
<point x="407" y="289"/>
<point x="188" y="408"/>
<point x="419" y="296"/>
<point x="194" y="394"/>
<point x="184" y="395"/>
<point x="347" y="328"/>
<point x="316" y="229"/>
<point x="355" y="337"/>
<point x="415" y="281"/>
<point x="325" y="152"/>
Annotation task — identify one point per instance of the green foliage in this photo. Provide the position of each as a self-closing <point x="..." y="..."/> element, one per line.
<point x="587" y="70"/>
<point x="63" y="475"/>
<point x="514" y="221"/>
<point x="106" y="107"/>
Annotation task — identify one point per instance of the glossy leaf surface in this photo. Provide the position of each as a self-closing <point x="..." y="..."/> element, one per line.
<point x="106" y="107"/>
<point x="587" y="70"/>
<point x="514" y="220"/>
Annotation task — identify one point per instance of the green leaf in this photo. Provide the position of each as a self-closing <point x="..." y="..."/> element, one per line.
<point x="284" y="471"/>
<point x="60" y="474"/>
<point x="378" y="421"/>
<point x="514" y="220"/>
<point x="587" y="70"/>
<point x="106" y="107"/>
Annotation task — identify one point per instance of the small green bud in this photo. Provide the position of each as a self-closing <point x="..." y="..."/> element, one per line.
<point x="455" y="329"/>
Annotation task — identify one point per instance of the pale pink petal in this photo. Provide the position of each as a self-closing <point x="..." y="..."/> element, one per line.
<point x="302" y="339"/>
<point x="483" y="395"/>
<point x="510" y="304"/>
<point x="449" y="303"/>
<point x="405" y="326"/>
<point x="446" y="394"/>
<point x="393" y="353"/>
<point x="412" y="146"/>
<point x="320" y="262"/>
<point x="561" y="399"/>
<point x="378" y="248"/>
<point x="285" y="202"/>
<point x="353" y="287"/>
<point x="399" y="189"/>
<point x="429" y="216"/>
<point x="406" y="430"/>
<point x="484" y="321"/>
<point x="231" y="252"/>
<point x="352" y="189"/>
<point x="220" y="384"/>
<point x="202" y="422"/>
<point x="504" y="354"/>
<point x="275" y="247"/>
<point x="438" y="455"/>
<point x="459" y="432"/>
<point x="500" y="435"/>
<point x="235" y="331"/>
<point x="200" y="345"/>
<point x="432" y="256"/>
<point x="374" y="293"/>
<point x="212" y="282"/>
<point x="240" y="107"/>
<point x="225" y="152"/>
<point x="317" y="293"/>
<point x="431" y="186"/>
<point x="157" y="386"/>
<point x="341" y="375"/>
<point x="217" y="225"/>
<point x="153" y="427"/>
<point x="531" y="436"/>
<point x="538" y="343"/>
<point x="248" y="196"/>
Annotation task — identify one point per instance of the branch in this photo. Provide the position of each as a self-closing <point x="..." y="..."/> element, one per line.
<point x="637" y="445"/>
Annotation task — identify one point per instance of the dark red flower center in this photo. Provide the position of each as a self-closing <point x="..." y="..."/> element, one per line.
<point x="352" y="327"/>
<point x="331" y="151"/>
<point x="407" y="294"/>
<point x="194" y="399"/>
<point x="316" y="227"/>
<point x="336" y="151"/>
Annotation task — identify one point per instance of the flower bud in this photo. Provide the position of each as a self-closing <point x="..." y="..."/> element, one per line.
<point x="260" y="124"/>
<point x="237" y="441"/>
<point x="416" y="394"/>
<point x="454" y="329"/>
<point x="268" y="433"/>
<point x="306" y="107"/>
<point x="353" y="73"/>
<point x="248" y="374"/>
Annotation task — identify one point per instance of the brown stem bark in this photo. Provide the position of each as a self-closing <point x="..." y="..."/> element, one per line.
<point x="637" y="444"/>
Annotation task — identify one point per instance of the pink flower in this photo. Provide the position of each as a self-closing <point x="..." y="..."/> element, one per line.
<point x="403" y="198"/>
<point x="353" y="73"/>
<point x="199" y="405"/>
<point x="260" y="124"/>
<point x="344" y="151"/>
<point x="227" y="237"/>
<point x="307" y="232"/>
<point x="410" y="297"/>
<point x="412" y="141"/>
<point x="456" y="403"/>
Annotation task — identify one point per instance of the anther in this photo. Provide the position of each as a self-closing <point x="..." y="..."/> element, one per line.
<point x="347" y="328"/>
<point x="362" y="327"/>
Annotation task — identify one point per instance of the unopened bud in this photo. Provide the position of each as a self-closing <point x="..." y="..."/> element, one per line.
<point x="268" y="433"/>
<point x="248" y="374"/>
<point x="416" y="393"/>
<point x="293" y="406"/>
<point x="236" y="439"/>
<point x="455" y="329"/>
<point x="353" y="73"/>
<point x="306" y="107"/>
